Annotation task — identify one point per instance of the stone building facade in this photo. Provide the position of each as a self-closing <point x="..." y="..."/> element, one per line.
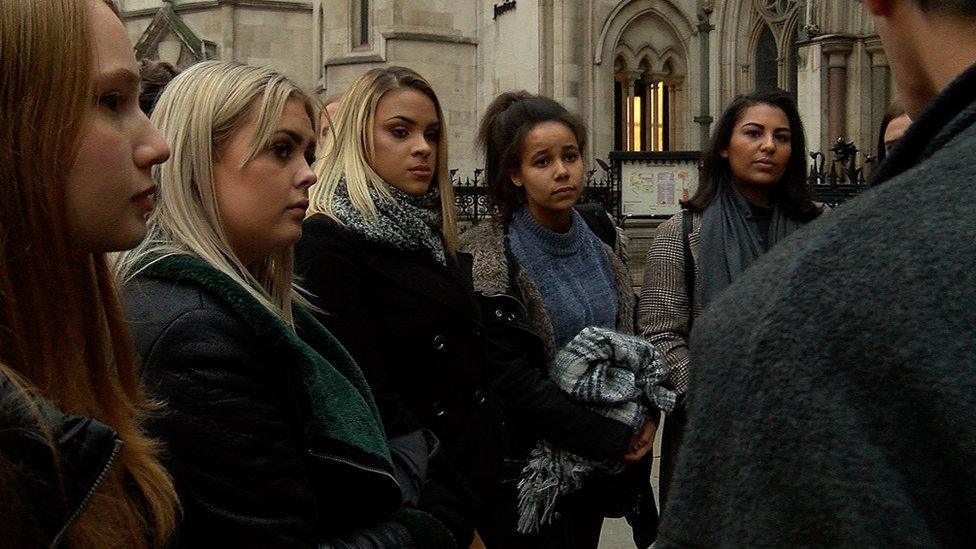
<point x="643" y="74"/>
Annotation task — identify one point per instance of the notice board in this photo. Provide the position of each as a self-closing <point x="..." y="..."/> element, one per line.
<point x="653" y="183"/>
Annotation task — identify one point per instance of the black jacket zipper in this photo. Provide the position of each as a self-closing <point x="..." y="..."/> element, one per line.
<point x="88" y="495"/>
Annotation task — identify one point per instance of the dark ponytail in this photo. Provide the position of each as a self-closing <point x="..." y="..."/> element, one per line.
<point x="506" y="121"/>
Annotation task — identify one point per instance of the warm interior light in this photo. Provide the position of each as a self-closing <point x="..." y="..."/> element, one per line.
<point x="659" y="120"/>
<point x="637" y="124"/>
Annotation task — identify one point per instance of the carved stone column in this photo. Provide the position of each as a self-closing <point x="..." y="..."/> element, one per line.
<point x="836" y="49"/>
<point x="880" y="91"/>
<point x="627" y="80"/>
<point x="704" y="118"/>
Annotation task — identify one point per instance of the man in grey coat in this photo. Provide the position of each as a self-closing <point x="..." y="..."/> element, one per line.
<point x="834" y="384"/>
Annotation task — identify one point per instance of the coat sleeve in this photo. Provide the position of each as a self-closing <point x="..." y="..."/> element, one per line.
<point x="664" y="311"/>
<point x="534" y="404"/>
<point x="230" y="441"/>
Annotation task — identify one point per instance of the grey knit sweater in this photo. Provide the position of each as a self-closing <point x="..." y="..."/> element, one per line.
<point x="833" y="394"/>
<point x="571" y="271"/>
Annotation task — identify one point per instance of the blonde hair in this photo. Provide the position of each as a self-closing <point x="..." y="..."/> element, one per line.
<point x="200" y="111"/>
<point x="63" y="335"/>
<point x="347" y="155"/>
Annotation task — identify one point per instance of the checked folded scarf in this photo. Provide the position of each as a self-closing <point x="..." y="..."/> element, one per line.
<point x="615" y="375"/>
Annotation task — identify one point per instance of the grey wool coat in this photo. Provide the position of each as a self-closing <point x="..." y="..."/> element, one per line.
<point x="834" y="388"/>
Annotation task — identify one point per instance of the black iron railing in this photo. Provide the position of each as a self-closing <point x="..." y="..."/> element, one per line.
<point x="842" y="179"/>
<point x="471" y="197"/>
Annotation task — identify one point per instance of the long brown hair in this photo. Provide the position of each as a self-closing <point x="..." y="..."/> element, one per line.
<point x="62" y="329"/>
<point x="791" y="190"/>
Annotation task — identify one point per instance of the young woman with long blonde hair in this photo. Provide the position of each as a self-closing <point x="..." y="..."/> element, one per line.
<point x="378" y="256"/>
<point x="75" y="154"/>
<point x="273" y="435"/>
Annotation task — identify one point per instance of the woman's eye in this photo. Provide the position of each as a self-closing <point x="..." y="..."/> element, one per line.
<point x="783" y="138"/>
<point x="281" y="150"/>
<point x="111" y="101"/>
<point x="433" y="136"/>
<point x="542" y="162"/>
<point x="310" y="157"/>
<point x="753" y="133"/>
<point x="399" y="132"/>
<point x="571" y="158"/>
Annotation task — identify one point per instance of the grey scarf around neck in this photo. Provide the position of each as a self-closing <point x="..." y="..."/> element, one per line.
<point x="407" y="223"/>
<point x="730" y="241"/>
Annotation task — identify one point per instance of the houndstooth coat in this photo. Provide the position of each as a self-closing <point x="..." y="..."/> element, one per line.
<point x="665" y="313"/>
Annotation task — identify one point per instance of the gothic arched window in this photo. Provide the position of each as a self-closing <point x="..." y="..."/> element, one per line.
<point x="642" y="112"/>
<point x="767" y="67"/>
<point x="360" y="24"/>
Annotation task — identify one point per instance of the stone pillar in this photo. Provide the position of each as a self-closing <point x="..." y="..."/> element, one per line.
<point x="227" y="24"/>
<point x="880" y="92"/>
<point x="627" y="80"/>
<point x="836" y="49"/>
<point x="704" y="118"/>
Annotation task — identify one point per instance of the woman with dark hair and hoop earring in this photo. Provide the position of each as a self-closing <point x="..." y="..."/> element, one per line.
<point x="752" y="194"/>
<point x="543" y="277"/>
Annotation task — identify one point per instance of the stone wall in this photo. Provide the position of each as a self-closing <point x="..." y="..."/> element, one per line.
<point x="573" y="50"/>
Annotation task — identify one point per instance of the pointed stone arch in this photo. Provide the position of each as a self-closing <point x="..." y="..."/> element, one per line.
<point x="741" y="25"/>
<point x="168" y="38"/>
<point x="644" y="44"/>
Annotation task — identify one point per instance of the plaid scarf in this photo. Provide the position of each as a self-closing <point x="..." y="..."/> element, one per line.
<point x="408" y="223"/>
<point x="615" y="375"/>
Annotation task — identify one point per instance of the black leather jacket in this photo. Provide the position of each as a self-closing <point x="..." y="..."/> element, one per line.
<point x="40" y="501"/>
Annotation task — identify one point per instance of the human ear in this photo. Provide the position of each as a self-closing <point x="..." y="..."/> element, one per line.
<point x="879" y="8"/>
<point x="724" y="153"/>
<point x="514" y="176"/>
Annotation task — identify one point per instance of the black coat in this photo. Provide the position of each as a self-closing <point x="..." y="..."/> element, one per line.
<point x="272" y="437"/>
<point x="415" y="329"/>
<point x="38" y="503"/>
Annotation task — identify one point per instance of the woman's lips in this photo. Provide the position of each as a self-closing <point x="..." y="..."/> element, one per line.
<point x="420" y="171"/>
<point x="564" y="190"/>
<point x="299" y="208"/>
<point x="146" y="200"/>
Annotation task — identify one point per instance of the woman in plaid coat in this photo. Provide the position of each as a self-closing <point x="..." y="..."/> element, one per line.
<point x="752" y="194"/>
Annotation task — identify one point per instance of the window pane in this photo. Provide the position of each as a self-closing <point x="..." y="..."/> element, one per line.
<point x="767" y="74"/>
<point x="363" y="22"/>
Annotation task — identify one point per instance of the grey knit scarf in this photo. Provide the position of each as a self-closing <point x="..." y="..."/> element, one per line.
<point x="408" y="223"/>
<point x="615" y="375"/>
<point x="730" y="241"/>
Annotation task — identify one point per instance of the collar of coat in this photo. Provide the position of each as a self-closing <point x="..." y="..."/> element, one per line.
<point x="343" y="422"/>
<point x="495" y="271"/>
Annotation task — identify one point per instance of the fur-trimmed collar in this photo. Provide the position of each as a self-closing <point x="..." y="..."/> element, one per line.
<point x="492" y="273"/>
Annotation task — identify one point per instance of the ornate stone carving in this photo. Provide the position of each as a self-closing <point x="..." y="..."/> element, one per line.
<point x="776" y="10"/>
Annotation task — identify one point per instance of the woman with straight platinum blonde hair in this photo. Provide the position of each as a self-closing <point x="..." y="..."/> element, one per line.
<point x="273" y="434"/>
<point x="224" y="92"/>
<point x="76" y="468"/>
<point x="378" y="255"/>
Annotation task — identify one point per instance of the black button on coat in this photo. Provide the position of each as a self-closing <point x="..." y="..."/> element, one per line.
<point x="414" y="327"/>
